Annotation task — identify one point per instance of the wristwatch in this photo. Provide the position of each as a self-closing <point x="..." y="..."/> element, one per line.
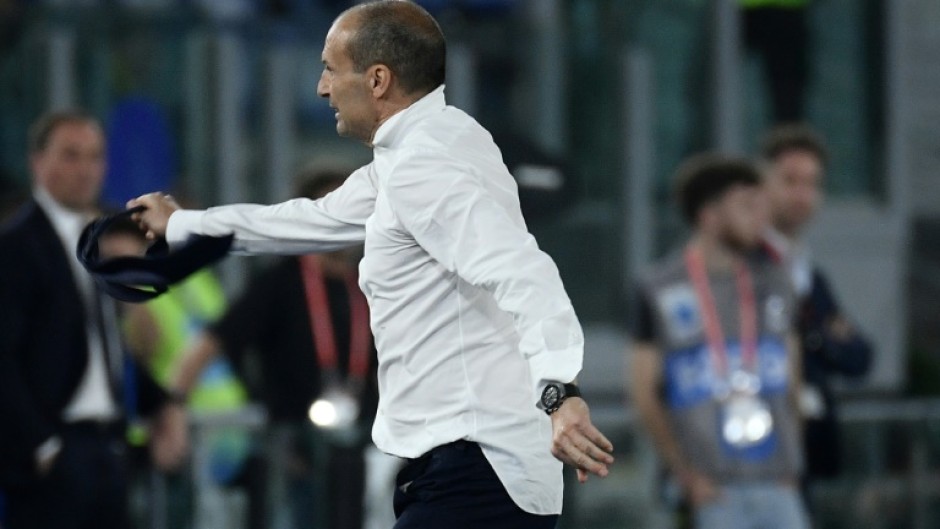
<point x="554" y="394"/>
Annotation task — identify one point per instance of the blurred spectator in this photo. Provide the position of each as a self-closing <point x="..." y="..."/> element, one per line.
<point x="60" y="354"/>
<point x="157" y="332"/>
<point x="796" y="159"/>
<point x="308" y="321"/>
<point x="716" y="369"/>
<point x="777" y="31"/>
<point x="546" y="183"/>
<point x="11" y="24"/>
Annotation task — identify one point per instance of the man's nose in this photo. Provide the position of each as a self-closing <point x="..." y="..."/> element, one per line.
<point x="91" y="165"/>
<point x="323" y="88"/>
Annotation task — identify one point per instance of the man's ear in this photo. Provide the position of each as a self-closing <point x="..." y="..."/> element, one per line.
<point x="380" y="80"/>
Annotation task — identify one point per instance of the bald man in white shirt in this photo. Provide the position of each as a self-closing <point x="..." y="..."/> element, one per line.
<point x="478" y="343"/>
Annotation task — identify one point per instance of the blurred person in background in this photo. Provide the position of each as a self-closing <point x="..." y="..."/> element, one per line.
<point x="795" y="158"/>
<point x="776" y="30"/>
<point x="466" y="309"/>
<point x="61" y="364"/>
<point x="156" y="333"/>
<point x="716" y="370"/>
<point x="11" y="24"/>
<point x="307" y="322"/>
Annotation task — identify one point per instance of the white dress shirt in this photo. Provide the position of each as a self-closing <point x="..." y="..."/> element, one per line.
<point x="796" y="258"/>
<point x="92" y="399"/>
<point x="470" y="318"/>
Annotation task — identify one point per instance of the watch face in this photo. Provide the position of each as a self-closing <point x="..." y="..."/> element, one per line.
<point x="550" y="395"/>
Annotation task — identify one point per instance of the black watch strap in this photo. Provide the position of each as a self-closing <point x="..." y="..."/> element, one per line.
<point x="572" y="390"/>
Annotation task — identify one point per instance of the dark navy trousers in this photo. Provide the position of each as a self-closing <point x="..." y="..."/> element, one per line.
<point x="454" y="487"/>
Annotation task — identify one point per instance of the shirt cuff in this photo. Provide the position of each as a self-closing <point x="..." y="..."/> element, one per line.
<point x="556" y="366"/>
<point x="182" y="224"/>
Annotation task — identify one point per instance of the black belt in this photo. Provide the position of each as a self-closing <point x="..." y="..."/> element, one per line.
<point x="108" y="428"/>
<point x="460" y="444"/>
<point x="414" y="468"/>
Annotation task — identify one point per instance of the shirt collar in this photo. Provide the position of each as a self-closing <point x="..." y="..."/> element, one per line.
<point x="67" y="223"/>
<point x="795" y="257"/>
<point x="782" y="244"/>
<point x="390" y="133"/>
<point x="777" y="241"/>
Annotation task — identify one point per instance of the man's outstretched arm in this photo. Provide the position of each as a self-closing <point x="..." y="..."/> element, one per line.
<point x="293" y="227"/>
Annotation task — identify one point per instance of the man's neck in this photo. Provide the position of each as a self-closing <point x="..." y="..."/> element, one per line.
<point x="790" y="233"/>
<point x="391" y="108"/>
<point x="783" y="240"/>
<point x="46" y="199"/>
<point x="717" y="254"/>
<point x="378" y="124"/>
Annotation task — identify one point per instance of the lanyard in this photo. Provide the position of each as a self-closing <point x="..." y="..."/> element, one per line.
<point x="695" y="264"/>
<point x="321" y="322"/>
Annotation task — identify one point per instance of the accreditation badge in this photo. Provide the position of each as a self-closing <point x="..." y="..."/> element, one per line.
<point x="745" y="423"/>
<point x="336" y="409"/>
<point x="745" y="420"/>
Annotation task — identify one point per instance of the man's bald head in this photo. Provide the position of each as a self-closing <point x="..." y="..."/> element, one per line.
<point x="402" y="36"/>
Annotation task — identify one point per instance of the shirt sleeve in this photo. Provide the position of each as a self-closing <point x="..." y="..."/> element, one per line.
<point x="851" y="356"/>
<point x="293" y="227"/>
<point x="461" y="225"/>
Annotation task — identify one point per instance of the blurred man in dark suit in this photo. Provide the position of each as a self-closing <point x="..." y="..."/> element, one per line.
<point x="61" y="361"/>
<point x="796" y="159"/>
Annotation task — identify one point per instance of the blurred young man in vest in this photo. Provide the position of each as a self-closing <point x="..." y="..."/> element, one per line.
<point x="795" y="158"/>
<point x="716" y="369"/>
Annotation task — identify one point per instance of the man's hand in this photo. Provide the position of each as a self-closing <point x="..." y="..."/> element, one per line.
<point x="840" y="329"/>
<point x="577" y="442"/>
<point x="47" y="455"/>
<point x="169" y="438"/>
<point x="155" y="218"/>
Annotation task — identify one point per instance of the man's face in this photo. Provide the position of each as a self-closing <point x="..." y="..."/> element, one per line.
<point x="121" y="245"/>
<point x="794" y="189"/>
<point x="72" y="166"/>
<point x="348" y="91"/>
<point x="741" y="216"/>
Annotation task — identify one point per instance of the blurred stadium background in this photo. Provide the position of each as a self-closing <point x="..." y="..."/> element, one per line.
<point x="594" y="102"/>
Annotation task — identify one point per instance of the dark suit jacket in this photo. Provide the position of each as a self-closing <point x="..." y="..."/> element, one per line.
<point x="824" y="356"/>
<point x="43" y="344"/>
